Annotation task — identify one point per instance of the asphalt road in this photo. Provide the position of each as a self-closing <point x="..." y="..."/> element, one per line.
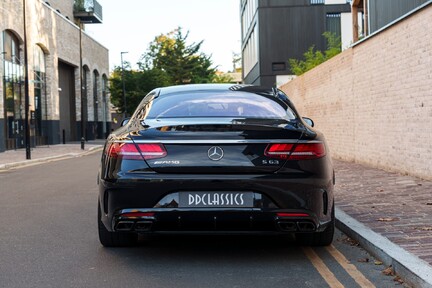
<point x="48" y="238"/>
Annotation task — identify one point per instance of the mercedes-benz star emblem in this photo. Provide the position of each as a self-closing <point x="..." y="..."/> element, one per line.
<point x="215" y="153"/>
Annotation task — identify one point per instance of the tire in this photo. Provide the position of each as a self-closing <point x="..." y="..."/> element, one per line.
<point x="114" y="239"/>
<point x="324" y="238"/>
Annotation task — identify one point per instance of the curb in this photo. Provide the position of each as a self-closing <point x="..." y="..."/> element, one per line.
<point x="49" y="159"/>
<point x="413" y="270"/>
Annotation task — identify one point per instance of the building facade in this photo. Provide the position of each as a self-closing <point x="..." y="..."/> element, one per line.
<point x="67" y="73"/>
<point x="374" y="15"/>
<point x="274" y="31"/>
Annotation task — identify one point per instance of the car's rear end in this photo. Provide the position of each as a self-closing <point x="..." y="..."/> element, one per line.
<point x="204" y="160"/>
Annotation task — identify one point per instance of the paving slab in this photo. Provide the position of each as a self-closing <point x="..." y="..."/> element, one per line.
<point x="396" y="207"/>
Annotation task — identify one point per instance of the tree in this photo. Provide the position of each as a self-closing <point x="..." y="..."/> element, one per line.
<point x="137" y="84"/>
<point x="168" y="61"/>
<point x="222" y="78"/>
<point x="183" y="63"/>
<point x="313" y="58"/>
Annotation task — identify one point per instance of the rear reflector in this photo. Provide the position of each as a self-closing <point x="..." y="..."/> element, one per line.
<point x="301" y="151"/>
<point x="133" y="151"/>
<point x="137" y="214"/>
<point x="287" y="214"/>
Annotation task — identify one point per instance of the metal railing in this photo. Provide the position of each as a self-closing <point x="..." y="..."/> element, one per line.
<point x="88" y="6"/>
<point x="317" y="2"/>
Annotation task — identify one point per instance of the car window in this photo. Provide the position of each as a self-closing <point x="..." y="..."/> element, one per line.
<point x="235" y="104"/>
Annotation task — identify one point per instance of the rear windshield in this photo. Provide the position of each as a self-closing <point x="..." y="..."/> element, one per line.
<point x="235" y="104"/>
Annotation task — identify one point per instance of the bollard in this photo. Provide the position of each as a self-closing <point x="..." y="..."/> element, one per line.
<point x="82" y="143"/>
<point x="64" y="136"/>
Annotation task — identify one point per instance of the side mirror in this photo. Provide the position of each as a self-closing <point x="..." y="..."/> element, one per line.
<point x="124" y="122"/>
<point x="308" y="121"/>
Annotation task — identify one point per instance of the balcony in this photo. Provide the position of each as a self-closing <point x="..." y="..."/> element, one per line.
<point x="88" y="11"/>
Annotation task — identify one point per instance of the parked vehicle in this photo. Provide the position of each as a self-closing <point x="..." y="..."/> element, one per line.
<point x="216" y="158"/>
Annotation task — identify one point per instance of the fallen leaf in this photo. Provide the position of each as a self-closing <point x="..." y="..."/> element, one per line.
<point x="423" y="228"/>
<point x="387" y="219"/>
<point x="363" y="260"/>
<point x="429" y="203"/>
<point x="398" y="279"/>
<point x="350" y="241"/>
<point x="378" y="262"/>
<point x="388" y="271"/>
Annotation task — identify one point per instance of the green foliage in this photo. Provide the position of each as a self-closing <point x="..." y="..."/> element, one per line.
<point x="313" y="58"/>
<point x="167" y="61"/>
<point x="183" y="63"/>
<point x="222" y="78"/>
<point x="137" y="84"/>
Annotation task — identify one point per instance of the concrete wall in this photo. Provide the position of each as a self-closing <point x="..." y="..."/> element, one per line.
<point x="374" y="101"/>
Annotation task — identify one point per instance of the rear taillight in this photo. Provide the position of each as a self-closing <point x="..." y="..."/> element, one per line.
<point x="133" y="151"/>
<point x="301" y="151"/>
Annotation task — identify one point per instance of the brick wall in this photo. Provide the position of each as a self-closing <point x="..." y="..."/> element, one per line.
<point x="59" y="38"/>
<point x="374" y="101"/>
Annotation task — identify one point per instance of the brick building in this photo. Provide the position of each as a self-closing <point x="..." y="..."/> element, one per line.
<point x="373" y="101"/>
<point x="59" y="107"/>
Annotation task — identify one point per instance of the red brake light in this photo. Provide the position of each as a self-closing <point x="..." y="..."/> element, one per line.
<point x="301" y="151"/>
<point x="152" y="151"/>
<point x="289" y="214"/>
<point x="131" y="152"/>
<point x="280" y="151"/>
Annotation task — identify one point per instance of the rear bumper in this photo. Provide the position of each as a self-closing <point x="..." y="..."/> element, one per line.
<point x="146" y="194"/>
<point x="212" y="220"/>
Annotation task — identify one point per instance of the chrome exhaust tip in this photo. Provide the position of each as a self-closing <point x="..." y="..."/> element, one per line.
<point x="306" y="226"/>
<point x="143" y="226"/>
<point x="287" y="226"/>
<point x="124" y="226"/>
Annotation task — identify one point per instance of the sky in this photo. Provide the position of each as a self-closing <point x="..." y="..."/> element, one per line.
<point x="130" y="25"/>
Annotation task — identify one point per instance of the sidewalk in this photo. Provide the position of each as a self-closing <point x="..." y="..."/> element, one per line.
<point x="389" y="206"/>
<point x="389" y="214"/>
<point x="16" y="158"/>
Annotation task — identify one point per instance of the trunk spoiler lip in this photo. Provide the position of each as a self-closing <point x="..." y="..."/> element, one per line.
<point x="216" y="142"/>
<point x="193" y="121"/>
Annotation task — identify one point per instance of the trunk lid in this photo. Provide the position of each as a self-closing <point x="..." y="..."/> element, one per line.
<point x="215" y="146"/>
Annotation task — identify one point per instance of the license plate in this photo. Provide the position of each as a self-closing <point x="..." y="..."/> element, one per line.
<point x="216" y="199"/>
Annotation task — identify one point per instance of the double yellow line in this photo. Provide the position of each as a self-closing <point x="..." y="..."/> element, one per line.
<point x="328" y="276"/>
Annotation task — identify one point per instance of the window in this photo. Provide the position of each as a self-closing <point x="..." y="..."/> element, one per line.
<point x="250" y="52"/>
<point x="278" y="66"/>
<point x="234" y="104"/>
<point x="40" y="101"/>
<point x="95" y="96"/>
<point x="105" y="110"/>
<point x="247" y="15"/>
<point x="97" y="128"/>
<point x="333" y="23"/>
<point x="13" y="91"/>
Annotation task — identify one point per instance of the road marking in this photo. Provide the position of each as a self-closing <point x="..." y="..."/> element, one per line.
<point x="316" y="261"/>
<point x="349" y="268"/>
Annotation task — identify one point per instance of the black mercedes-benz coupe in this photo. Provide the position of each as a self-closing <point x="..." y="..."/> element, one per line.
<point x="216" y="158"/>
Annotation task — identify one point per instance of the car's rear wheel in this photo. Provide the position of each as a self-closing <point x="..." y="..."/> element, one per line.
<point x="324" y="238"/>
<point x="114" y="239"/>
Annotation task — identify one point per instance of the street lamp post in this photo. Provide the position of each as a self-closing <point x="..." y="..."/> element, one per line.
<point x="123" y="84"/>
<point x="83" y="128"/>
<point x="26" y="89"/>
